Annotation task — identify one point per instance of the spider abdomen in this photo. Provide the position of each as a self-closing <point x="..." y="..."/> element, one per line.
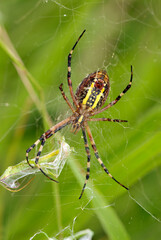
<point x="93" y="90"/>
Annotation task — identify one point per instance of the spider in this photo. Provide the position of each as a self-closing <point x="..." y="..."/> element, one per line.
<point x="90" y="96"/>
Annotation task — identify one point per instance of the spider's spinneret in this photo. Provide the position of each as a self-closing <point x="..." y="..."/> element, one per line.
<point x="93" y="90"/>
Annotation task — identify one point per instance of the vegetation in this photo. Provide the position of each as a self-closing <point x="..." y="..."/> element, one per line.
<point x="35" y="39"/>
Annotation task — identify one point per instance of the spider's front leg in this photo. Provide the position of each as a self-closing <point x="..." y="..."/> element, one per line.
<point x="43" y="139"/>
<point x="69" y="72"/>
<point x="118" y="97"/>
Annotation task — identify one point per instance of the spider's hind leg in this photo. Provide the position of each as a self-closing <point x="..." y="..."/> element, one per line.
<point x="99" y="159"/>
<point x="88" y="160"/>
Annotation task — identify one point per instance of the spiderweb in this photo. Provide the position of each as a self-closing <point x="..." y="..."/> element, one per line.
<point x="119" y="34"/>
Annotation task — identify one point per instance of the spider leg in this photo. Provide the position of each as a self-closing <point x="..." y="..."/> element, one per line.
<point x="118" y="97"/>
<point x="65" y="98"/>
<point x="38" y="156"/>
<point x="88" y="160"/>
<point x="43" y="139"/>
<point x="69" y="72"/>
<point x="98" y="158"/>
<point x="29" y="150"/>
<point x="106" y="119"/>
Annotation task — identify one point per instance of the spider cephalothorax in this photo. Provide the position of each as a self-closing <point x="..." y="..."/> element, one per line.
<point x="90" y="96"/>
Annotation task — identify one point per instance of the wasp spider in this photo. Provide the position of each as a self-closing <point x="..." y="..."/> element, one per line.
<point x="90" y="96"/>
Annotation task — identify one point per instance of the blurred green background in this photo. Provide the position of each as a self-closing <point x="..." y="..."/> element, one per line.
<point x="119" y="33"/>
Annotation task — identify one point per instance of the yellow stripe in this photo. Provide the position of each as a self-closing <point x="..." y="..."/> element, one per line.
<point x="80" y="119"/>
<point x="98" y="98"/>
<point x="88" y="94"/>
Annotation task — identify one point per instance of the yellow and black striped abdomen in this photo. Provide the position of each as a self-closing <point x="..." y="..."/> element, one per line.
<point x="93" y="90"/>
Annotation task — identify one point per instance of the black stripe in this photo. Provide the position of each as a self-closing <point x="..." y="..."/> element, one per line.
<point x="87" y="177"/>
<point x="96" y="154"/>
<point x="75" y="44"/>
<point x="106" y="171"/>
<point x="41" y="138"/>
<point x="87" y="149"/>
<point x="78" y="39"/>
<point x="118" y="98"/>
<point x="69" y="74"/>
<point x="102" y="165"/>
<point x="85" y="138"/>
<point x="36" y="160"/>
<point x="69" y="62"/>
<point x="28" y="150"/>
<point x="127" y="88"/>
<point x="38" y="154"/>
